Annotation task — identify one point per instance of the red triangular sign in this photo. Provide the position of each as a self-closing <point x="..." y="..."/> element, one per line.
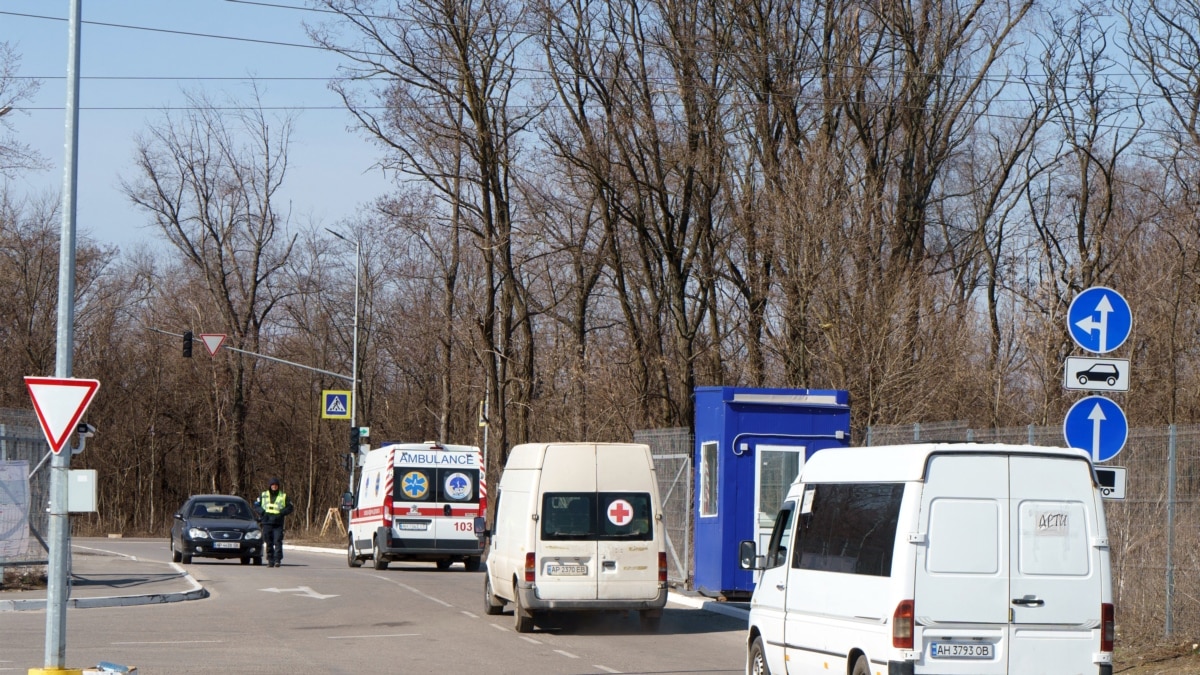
<point x="60" y="403"/>
<point x="212" y="342"/>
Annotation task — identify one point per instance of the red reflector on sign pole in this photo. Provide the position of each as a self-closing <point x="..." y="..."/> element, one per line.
<point x="60" y="403"/>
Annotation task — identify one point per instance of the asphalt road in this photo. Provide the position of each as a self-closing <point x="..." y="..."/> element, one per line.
<point x="316" y="615"/>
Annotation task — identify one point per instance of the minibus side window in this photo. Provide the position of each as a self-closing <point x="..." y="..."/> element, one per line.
<point x="781" y="535"/>
<point x="851" y="528"/>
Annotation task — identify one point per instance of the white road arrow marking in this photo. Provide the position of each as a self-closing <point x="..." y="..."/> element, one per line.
<point x="1096" y="416"/>
<point x="299" y="589"/>
<point x="1104" y="307"/>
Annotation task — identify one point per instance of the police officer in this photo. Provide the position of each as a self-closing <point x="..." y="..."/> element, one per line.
<point x="272" y="506"/>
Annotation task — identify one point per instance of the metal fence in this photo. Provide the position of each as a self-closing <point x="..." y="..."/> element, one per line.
<point x="672" y="452"/>
<point x="1153" y="532"/>
<point x="23" y="448"/>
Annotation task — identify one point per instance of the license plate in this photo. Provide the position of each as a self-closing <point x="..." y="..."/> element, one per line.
<point x="566" y="570"/>
<point x="961" y="650"/>
<point x="414" y="526"/>
<point x="226" y="544"/>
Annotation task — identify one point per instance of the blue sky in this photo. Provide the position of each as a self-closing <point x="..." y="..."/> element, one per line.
<point x="128" y="76"/>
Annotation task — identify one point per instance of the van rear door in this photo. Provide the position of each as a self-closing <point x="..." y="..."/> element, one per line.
<point x="1007" y="579"/>
<point x="627" y="497"/>
<point x="566" y="557"/>
<point x="1057" y="576"/>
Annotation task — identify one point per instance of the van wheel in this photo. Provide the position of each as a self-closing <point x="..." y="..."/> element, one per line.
<point x="351" y="554"/>
<point x="861" y="667"/>
<point x="522" y="618"/>
<point x="757" y="660"/>
<point x="381" y="563"/>
<point x="444" y="564"/>
<point x="491" y="604"/>
<point x="650" y="619"/>
<point x="472" y="563"/>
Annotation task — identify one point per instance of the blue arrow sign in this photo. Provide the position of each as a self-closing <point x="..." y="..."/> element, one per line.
<point x="1099" y="319"/>
<point x="1097" y="426"/>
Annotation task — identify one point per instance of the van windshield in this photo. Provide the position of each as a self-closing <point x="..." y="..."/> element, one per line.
<point x="574" y="516"/>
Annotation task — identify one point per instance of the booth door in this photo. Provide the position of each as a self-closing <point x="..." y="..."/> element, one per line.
<point x="777" y="468"/>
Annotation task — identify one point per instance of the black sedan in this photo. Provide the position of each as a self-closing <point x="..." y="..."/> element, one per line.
<point x="216" y="526"/>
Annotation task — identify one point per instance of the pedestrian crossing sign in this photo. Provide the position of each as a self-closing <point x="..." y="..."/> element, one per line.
<point x="335" y="405"/>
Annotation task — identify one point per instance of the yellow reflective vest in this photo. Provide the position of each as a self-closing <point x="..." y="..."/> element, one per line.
<point x="273" y="507"/>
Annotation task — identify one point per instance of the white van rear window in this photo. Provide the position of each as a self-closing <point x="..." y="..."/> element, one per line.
<point x="568" y="516"/>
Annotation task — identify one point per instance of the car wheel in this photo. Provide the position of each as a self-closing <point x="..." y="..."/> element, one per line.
<point x="757" y="660"/>
<point x="1112" y="381"/>
<point x="186" y="558"/>
<point x="861" y="667"/>
<point x="1083" y="379"/>
<point x="522" y="618"/>
<point x="246" y="560"/>
<point x="176" y="556"/>
<point x="472" y="563"/>
<point x="444" y="564"/>
<point x="258" y="560"/>
<point x="381" y="563"/>
<point x="491" y="604"/>
<point x="352" y="558"/>
<point x="650" y="619"/>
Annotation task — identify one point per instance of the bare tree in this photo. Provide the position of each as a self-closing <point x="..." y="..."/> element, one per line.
<point x="208" y="179"/>
<point x="14" y="89"/>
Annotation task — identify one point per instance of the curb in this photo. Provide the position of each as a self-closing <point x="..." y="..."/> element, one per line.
<point x="197" y="592"/>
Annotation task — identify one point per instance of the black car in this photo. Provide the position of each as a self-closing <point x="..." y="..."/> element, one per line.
<point x="1100" y="372"/>
<point x="216" y="526"/>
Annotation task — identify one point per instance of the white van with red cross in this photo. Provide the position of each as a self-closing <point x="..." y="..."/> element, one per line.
<point x="935" y="559"/>
<point x="578" y="528"/>
<point x="419" y="502"/>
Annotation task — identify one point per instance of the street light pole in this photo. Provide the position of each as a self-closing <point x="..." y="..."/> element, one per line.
<point x="353" y="350"/>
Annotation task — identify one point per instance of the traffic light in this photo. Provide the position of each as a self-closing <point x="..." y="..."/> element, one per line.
<point x="187" y="344"/>
<point x="354" y="439"/>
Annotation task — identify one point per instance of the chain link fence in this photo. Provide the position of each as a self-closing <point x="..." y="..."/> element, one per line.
<point x="672" y="452"/>
<point x="1152" y="533"/>
<point x="23" y="521"/>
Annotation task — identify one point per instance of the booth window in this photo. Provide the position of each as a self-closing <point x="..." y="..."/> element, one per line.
<point x="708" y="478"/>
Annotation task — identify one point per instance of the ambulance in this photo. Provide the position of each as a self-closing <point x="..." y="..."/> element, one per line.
<point x="419" y="502"/>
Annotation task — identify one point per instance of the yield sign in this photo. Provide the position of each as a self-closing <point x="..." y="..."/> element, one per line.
<point x="212" y="342"/>
<point x="60" y="403"/>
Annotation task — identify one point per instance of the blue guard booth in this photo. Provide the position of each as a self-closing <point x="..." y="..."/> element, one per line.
<point x="750" y="445"/>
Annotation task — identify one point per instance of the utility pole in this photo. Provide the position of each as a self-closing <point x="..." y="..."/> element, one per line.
<point x="60" y="525"/>
<point x="353" y="360"/>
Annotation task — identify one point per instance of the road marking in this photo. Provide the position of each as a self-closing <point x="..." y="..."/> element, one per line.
<point x="356" y="637"/>
<point x="473" y="616"/>
<point x="299" y="589"/>
<point x="174" y="642"/>
<point x="530" y="640"/>
<point x="569" y="655"/>
<point x="415" y="591"/>
<point x="498" y="627"/>
<point x="605" y="669"/>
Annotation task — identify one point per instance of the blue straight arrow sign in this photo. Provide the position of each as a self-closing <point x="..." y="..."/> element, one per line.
<point x="1097" y="426"/>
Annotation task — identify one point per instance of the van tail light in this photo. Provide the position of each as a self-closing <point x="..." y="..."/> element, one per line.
<point x="530" y="567"/>
<point x="662" y="568"/>
<point x="902" y="625"/>
<point x="1108" y="627"/>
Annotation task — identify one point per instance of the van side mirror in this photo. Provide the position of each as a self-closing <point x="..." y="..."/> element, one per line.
<point x="347" y="501"/>
<point x="747" y="556"/>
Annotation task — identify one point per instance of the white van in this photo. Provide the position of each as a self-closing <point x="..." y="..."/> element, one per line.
<point x="578" y="527"/>
<point x="420" y="502"/>
<point x="964" y="558"/>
